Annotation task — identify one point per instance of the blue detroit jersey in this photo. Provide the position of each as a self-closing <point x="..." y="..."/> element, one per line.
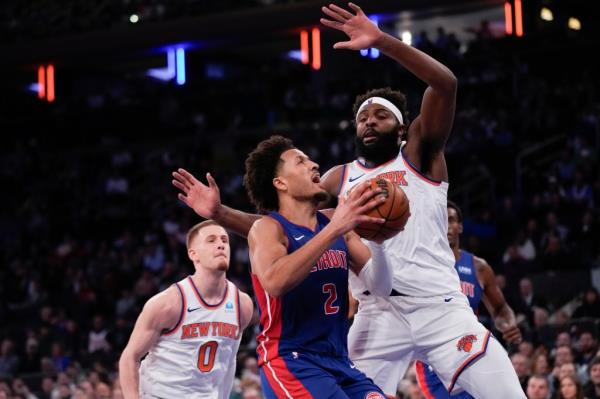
<point x="312" y="317"/>
<point x="468" y="279"/>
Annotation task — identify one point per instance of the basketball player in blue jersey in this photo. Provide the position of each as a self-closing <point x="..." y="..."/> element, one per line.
<point x="300" y="259"/>
<point x="426" y="315"/>
<point x="478" y="283"/>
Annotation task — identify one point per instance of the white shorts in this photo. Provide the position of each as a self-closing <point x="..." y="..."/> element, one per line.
<point x="442" y="331"/>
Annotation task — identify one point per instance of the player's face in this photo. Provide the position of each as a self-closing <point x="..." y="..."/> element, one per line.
<point x="377" y="133"/>
<point x="211" y="249"/>
<point x="455" y="227"/>
<point x="299" y="176"/>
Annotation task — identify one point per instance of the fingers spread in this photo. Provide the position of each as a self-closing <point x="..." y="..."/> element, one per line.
<point x="180" y="186"/>
<point x="344" y="13"/>
<point x="331" y="24"/>
<point x="356" y="8"/>
<point x="190" y="179"/>
<point x="333" y="14"/>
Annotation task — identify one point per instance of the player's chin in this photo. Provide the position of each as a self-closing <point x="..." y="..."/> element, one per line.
<point x="223" y="265"/>
<point x="320" y="195"/>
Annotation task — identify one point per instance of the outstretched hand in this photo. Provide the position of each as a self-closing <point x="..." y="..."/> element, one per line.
<point x="204" y="200"/>
<point x="363" y="33"/>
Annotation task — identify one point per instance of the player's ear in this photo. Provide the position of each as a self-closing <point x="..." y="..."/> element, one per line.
<point x="460" y="228"/>
<point x="279" y="183"/>
<point x="191" y="254"/>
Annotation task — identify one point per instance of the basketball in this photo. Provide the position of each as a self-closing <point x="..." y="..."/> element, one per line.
<point x="395" y="210"/>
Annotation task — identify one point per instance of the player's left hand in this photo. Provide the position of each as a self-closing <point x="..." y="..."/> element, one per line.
<point x="363" y="33"/>
<point x="512" y="335"/>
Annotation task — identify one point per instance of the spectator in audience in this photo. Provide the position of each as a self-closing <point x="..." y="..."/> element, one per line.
<point x="537" y="387"/>
<point x="592" y="387"/>
<point x="570" y="388"/>
<point x="590" y="306"/>
<point x="522" y="368"/>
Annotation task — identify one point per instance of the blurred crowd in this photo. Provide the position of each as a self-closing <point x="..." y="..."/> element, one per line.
<point x="91" y="226"/>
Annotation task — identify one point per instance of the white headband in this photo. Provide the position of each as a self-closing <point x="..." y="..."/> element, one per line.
<point x="382" y="101"/>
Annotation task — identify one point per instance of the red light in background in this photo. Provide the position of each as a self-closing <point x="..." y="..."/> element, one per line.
<point x="41" y="82"/>
<point x="518" y="18"/>
<point x="508" y="28"/>
<point x="304" y="46"/>
<point x="316" y="47"/>
<point x="50" y="79"/>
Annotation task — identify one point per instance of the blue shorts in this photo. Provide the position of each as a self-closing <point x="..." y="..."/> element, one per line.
<point x="431" y="385"/>
<point x="307" y="375"/>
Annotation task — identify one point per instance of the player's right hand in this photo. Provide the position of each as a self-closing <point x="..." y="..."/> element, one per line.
<point x="351" y="209"/>
<point x="204" y="200"/>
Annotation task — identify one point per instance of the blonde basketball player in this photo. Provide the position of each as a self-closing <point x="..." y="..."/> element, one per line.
<point x="191" y="331"/>
<point x="426" y="317"/>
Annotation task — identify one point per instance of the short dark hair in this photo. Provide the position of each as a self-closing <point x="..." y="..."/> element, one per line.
<point x="394" y="96"/>
<point x="452" y="204"/>
<point x="262" y="165"/>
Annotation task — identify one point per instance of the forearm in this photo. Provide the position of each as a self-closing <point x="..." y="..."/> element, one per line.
<point x="426" y="68"/>
<point x="237" y="221"/>
<point x="377" y="273"/>
<point x="504" y="317"/>
<point x="129" y="376"/>
<point x="290" y="270"/>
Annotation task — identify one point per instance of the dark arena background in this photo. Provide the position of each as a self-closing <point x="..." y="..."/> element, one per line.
<point x="101" y="100"/>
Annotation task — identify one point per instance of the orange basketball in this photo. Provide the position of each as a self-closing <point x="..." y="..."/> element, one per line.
<point x="395" y="210"/>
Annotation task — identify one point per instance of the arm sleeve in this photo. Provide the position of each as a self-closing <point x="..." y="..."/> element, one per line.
<point x="376" y="273"/>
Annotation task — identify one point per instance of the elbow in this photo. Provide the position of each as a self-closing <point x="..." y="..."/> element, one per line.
<point x="449" y="85"/>
<point x="383" y="289"/>
<point x="274" y="289"/>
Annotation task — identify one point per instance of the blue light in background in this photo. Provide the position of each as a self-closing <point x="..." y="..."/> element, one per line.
<point x="371" y="52"/>
<point x="180" y="61"/>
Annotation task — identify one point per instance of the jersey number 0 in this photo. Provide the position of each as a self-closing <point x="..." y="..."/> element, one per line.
<point x="206" y="356"/>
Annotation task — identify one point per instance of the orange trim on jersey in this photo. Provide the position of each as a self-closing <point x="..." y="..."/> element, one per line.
<point x="376" y="167"/>
<point x="419" y="174"/>
<point x="422" y="380"/>
<point x="181" y="315"/>
<point x="469" y="361"/>
<point x="343" y="181"/>
<point x="202" y="302"/>
<point x="283" y="382"/>
<point x="238" y="310"/>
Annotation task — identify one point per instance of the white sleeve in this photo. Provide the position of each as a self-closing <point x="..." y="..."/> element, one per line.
<point x="376" y="274"/>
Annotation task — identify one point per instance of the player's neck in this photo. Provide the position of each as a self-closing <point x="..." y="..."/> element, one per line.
<point x="211" y="285"/>
<point x="302" y="213"/>
<point x="373" y="163"/>
<point x="456" y="251"/>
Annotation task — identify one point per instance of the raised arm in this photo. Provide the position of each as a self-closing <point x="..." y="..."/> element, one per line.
<point x="278" y="271"/>
<point x="205" y="200"/>
<point x="430" y="130"/>
<point x="161" y="313"/>
<point x="493" y="298"/>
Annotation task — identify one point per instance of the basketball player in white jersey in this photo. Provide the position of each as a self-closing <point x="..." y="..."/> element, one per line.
<point x="427" y="317"/>
<point x="191" y="331"/>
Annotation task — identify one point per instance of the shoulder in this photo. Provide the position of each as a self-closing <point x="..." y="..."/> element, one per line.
<point x="332" y="178"/>
<point x="265" y="225"/>
<point x="483" y="269"/>
<point x="246" y="309"/>
<point x="165" y="307"/>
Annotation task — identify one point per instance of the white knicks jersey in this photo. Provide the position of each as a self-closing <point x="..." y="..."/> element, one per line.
<point x="422" y="261"/>
<point x="197" y="358"/>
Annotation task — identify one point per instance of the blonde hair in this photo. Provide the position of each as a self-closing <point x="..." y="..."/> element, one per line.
<point x="193" y="232"/>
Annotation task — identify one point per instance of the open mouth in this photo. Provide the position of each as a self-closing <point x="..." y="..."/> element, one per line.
<point x="370" y="136"/>
<point x="316" y="178"/>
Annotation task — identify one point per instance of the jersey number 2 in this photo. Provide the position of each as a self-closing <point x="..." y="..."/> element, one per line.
<point x="206" y="356"/>
<point x="330" y="289"/>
